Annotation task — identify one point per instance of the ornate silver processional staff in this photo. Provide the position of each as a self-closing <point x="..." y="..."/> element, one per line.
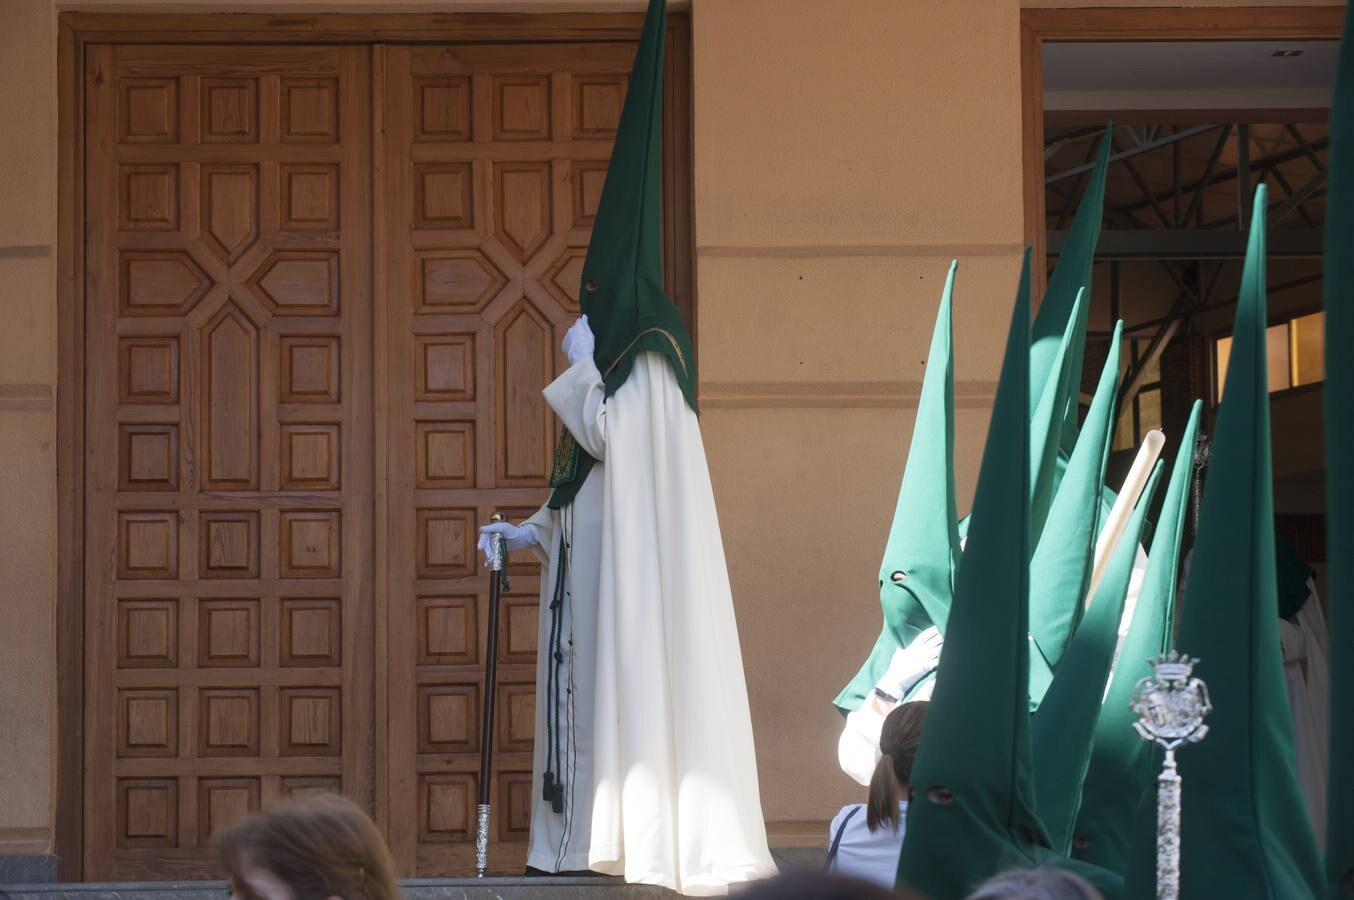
<point x="496" y="578"/>
<point x="1171" y="705"/>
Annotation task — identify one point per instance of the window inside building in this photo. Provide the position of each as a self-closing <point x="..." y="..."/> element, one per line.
<point x="1297" y="354"/>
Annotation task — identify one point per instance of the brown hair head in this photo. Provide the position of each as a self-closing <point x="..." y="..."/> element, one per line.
<point x="1043" y="883"/>
<point x="320" y="847"/>
<point x="898" y="742"/>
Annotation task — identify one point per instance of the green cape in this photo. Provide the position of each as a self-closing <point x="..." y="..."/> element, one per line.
<point x="1060" y="571"/>
<point x="1339" y="301"/>
<point x="1244" y="828"/>
<point x="622" y="282"/>
<point x="1123" y="766"/>
<point x="916" y="576"/>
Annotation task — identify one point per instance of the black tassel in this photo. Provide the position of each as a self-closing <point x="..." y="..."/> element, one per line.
<point x="557" y="801"/>
<point x="548" y="788"/>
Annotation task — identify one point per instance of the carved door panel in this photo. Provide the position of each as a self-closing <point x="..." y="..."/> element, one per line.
<point x="494" y="160"/>
<point x="229" y="447"/>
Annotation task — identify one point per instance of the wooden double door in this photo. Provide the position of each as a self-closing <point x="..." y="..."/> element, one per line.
<point x="324" y="288"/>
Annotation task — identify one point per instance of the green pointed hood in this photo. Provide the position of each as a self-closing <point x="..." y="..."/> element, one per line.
<point x="1060" y="572"/>
<point x="972" y="812"/>
<point x="916" y="577"/>
<point x="1046" y="422"/>
<point x="1123" y="766"/>
<point x="1244" y="828"/>
<point x="1339" y="300"/>
<point x="621" y="289"/>
<point x="1063" y="730"/>
<point x="1071" y="275"/>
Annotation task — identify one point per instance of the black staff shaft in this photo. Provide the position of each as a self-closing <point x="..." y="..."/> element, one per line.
<point x="497" y="560"/>
<point x="490" y="680"/>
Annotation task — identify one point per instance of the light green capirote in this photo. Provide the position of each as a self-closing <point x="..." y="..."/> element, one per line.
<point x="916" y="576"/>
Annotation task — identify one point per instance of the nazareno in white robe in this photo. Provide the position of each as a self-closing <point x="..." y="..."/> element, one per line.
<point x="661" y="778"/>
<point x="1306" y="666"/>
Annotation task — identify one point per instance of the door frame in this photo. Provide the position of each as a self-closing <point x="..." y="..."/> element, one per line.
<point x="78" y="30"/>
<point x="1038" y="26"/>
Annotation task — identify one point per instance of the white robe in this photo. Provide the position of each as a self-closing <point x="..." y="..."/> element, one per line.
<point x="1306" y="666"/>
<point x="662" y="788"/>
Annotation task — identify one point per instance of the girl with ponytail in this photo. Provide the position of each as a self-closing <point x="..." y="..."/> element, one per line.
<point x="869" y="849"/>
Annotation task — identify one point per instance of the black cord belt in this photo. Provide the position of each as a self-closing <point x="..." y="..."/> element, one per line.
<point x="552" y="789"/>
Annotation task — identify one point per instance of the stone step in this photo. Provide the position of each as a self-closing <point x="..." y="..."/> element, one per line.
<point x="498" y="888"/>
<point x="494" y="888"/>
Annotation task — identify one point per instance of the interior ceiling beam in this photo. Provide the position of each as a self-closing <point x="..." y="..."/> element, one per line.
<point x="1142" y="187"/>
<point x="1262" y="162"/>
<point x="1138" y="150"/>
<point x="1305" y="145"/>
<point x="1295" y="200"/>
<point x="1137" y="377"/>
<point x="1276" y="209"/>
<point x="1198" y="189"/>
<point x="1277" y="174"/>
<point x="1194" y="243"/>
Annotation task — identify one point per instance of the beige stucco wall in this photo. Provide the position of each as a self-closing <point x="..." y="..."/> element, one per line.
<point x="27" y="422"/>
<point x="844" y="153"/>
<point x="823" y="237"/>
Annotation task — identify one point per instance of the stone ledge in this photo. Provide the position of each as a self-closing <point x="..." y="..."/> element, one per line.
<point x="413" y="889"/>
<point x="37" y="868"/>
<point x="15" y="886"/>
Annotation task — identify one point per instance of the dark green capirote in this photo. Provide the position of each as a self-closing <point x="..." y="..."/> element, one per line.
<point x="622" y="282"/>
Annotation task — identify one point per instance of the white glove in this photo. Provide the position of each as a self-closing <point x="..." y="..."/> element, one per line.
<point x="911" y="664"/>
<point x="515" y="537"/>
<point x="578" y="340"/>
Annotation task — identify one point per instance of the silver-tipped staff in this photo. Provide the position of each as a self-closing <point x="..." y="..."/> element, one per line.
<point x="497" y="562"/>
<point x="1171" y="705"/>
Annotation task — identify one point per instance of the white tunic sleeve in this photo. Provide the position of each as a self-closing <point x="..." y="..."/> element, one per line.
<point x="858" y="747"/>
<point x="543" y="520"/>
<point x="578" y="398"/>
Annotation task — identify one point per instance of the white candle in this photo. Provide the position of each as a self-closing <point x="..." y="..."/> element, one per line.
<point x="1129" y="493"/>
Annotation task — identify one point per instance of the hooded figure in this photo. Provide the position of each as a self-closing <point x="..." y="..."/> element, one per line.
<point x="644" y="763"/>
<point x="1244" y="828"/>
<point x="1339" y="292"/>
<point x="972" y="812"/>
<point x="1063" y="730"/>
<point x="916" y="576"/>
<point x="1064" y="726"/>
